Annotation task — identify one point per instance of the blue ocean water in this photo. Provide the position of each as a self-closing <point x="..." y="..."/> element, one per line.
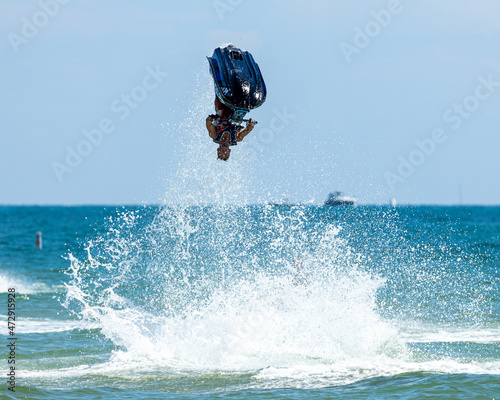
<point x="252" y="301"/>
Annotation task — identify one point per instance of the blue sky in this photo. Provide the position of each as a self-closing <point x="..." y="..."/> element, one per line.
<point x="104" y="102"/>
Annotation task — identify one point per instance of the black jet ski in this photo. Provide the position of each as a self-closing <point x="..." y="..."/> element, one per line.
<point x="238" y="81"/>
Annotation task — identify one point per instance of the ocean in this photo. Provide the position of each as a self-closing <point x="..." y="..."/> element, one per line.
<point x="239" y="301"/>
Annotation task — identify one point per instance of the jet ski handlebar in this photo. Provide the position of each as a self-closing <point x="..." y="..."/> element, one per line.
<point x="215" y="117"/>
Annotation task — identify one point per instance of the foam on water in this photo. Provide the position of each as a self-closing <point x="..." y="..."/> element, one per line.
<point x="449" y="336"/>
<point x="251" y="324"/>
<point x="24" y="285"/>
<point x="50" y="325"/>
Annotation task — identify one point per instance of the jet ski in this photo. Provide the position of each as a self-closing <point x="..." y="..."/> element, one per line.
<point x="238" y="81"/>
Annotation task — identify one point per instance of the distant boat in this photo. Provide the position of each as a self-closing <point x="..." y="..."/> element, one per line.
<point x="394" y="203"/>
<point x="339" y="199"/>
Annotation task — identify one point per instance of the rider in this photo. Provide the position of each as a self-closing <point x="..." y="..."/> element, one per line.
<point x="223" y="132"/>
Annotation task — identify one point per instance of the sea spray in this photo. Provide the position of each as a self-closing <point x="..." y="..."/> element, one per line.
<point x="209" y="282"/>
<point x="208" y="300"/>
<point x="200" y="178"/>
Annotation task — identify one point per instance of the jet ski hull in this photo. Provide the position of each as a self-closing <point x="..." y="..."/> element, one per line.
<point x="238" y="81"/>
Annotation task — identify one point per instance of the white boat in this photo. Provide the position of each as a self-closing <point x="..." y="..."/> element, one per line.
<point x="339" y="199"/>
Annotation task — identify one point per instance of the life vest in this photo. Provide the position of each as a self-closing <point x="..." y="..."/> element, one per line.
<point x="222" y="128"/>
<point x="222" y="110"/>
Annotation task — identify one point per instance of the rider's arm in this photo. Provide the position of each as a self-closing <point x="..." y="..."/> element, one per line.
<point x="240" y="135"/>
<point x="212" y="130"/>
